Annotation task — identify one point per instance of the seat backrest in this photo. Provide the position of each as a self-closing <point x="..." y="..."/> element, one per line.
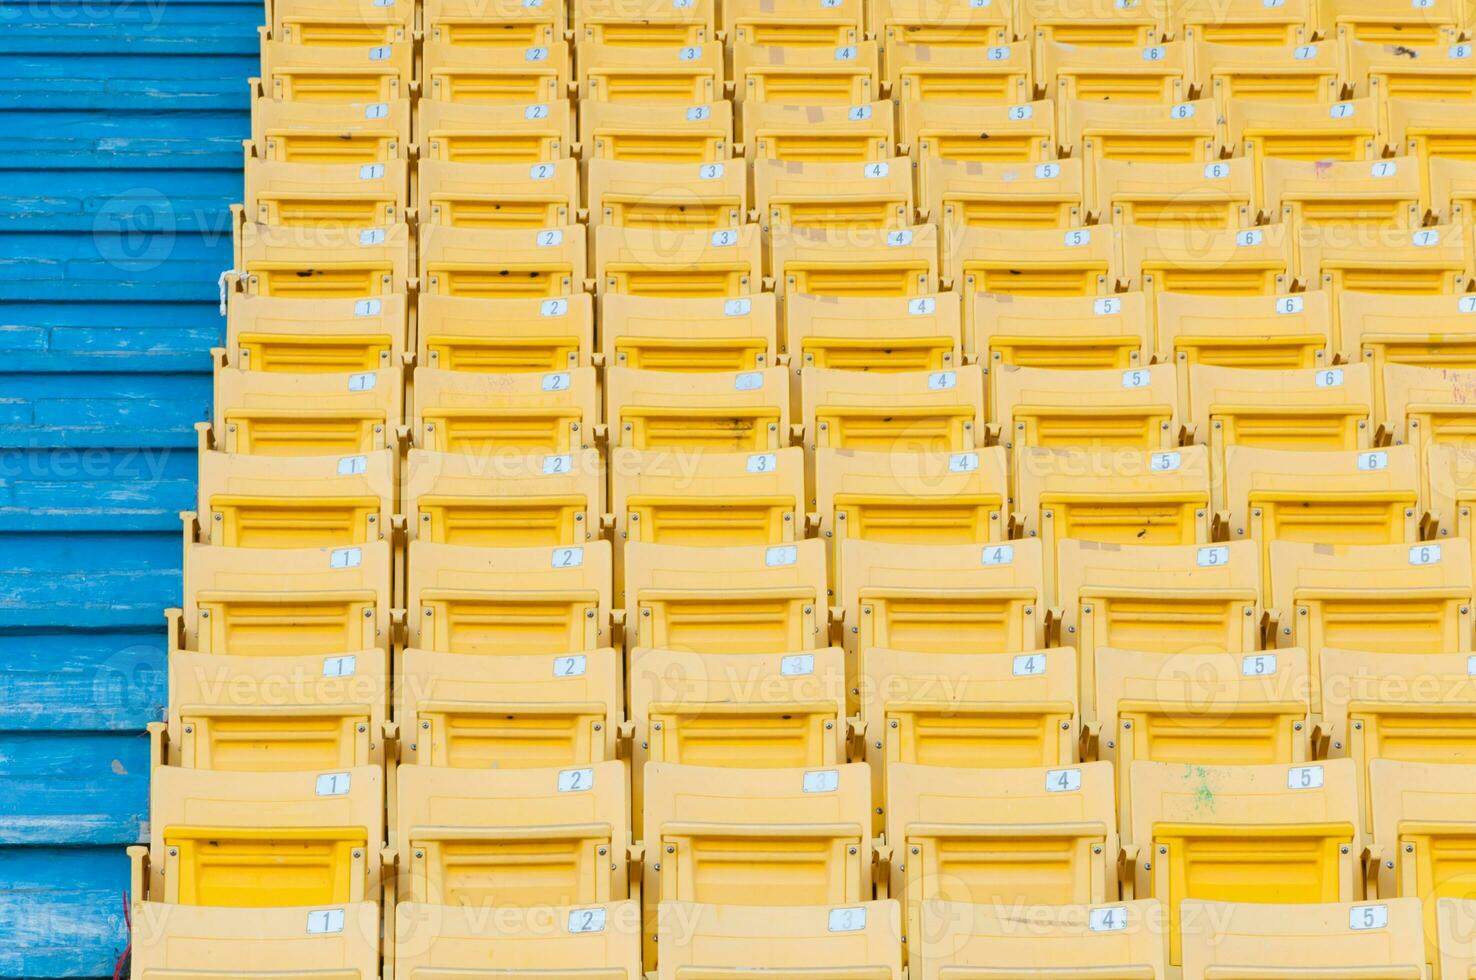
<point x="493" y="23"/>
<point x="656" y="133"/>
<point x="311" y="336"/>
<point x="336" y="943"/>
<point x="1427" y="406"/>
<point x="266" y="413"/>
<point x="808" y="75"/>
<point x="1347" y="130"/>
<point x="794" y="23"/>
<point x="1097" y="24"/>
<point x="829" y="133"/>
<point x="1152" y="73"/>
<point x="725" y="262"/>
<point x="593" y="942"/>
<point x="1022" y="133"/>
<point x="327" y="132"/>
<point x="1290" y="331"/>
<point x="355" y="73"/>
<point x="770" y="943"/>
<point x="1326" y="408"/>
<point x="1213" y="262"/>
<point x="326" y="195"/>
<point x="960" y="75"/>
<point x="1288" y="71"/>
<point x="1388" y="21"/>
<point x="498" y="195"/>
<point x="951" y="23"/>
<point x="1407" y="261"/>
<point x="1247" y="22"/>
<point x="1183" y="132"/>
<point x="900" y="411"/>
<point x="677" y="74"/>
<point x="613" y="22"/>
<point x="1218" y="194"/>
<point x="666" y="196"/>
<point x="504" y="336"/>
<point x="1457" y="937"/>
<point x="869" y="263"/>
<point x="1085" y="409"/>
<point x="1450" y="189"/>
<point x="1426" y="129"/>
<point x="1058" y="331"/>
<point x="1312" y="194"/>
<point x="808" y="194"/>
<point x="743" y="411"/>
<point x="509" y="600"/>
<point x="300" y="262"/>
<point x="873" y="333"/>
<point x="1433" y="72"/>
<point x="1032" y="262"/>
<point x="1007" y="194"/>
<point x="486" y="414"/>
<point x="495" y="75"/>
<point x="668" y="333"/>
<point x="462" y="132"/>
<point x="1449" y="488"/>
<point x="709" y="499"/>
<point x="493" y="263"/>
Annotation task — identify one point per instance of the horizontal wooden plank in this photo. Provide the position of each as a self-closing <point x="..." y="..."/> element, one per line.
<point x="82" y="682"/>
<point x="61" y="911"/>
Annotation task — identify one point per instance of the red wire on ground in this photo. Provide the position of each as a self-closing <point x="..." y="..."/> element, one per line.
<point x="128" y="921"/>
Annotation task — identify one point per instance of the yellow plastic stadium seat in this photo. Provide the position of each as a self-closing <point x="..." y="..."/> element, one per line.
<point x="656" y="133"/>
<point x="1023" y="133"/>
<point x="1032" y="262"/>
<point x="1430" y="72"/>
<point x="1157" y="74"/>
<point x="724" y="262"/>
<point x="504" y="501"/>
<point x="1291" y="71"/>
<point x="666" y="197"/>
<point x="769" y="943"/>
<point x="499" y="838"/>
<point x="745" y="411"/>
<point x="847" y="74"/>
<point x="495" y="75"/>
<point x="247" y="501"/>
<point x="819" y="134"/>
<point x="321" y="263"/>
<point x="1001" y="837"/>
<point x="1119" y="940"/>
<point x="494" y="23"/>
<point x="895" y="411"/>
<point x="707" y="499"/>
<point x="842" y="196"/>
<point x="256" y="840"/>
<point x="273" y="714"/>
<point x="297" y="336"/>
<point x="333" y="195"/>
<point x="1195" y="196"/>
<point x="329" y="23"/>
<point x="742" y="599"/>
<point x="505" y="336"/>
<point x="650" y="25"/>
<point x="266" y="413"/>
<point x="498" y="195"/>
<point x="950" y="23"/>
<point x="1158" y="599"/>
<point x="1422" y="836"/>
<point x="1409" y="707"/>
<point x="1208" y="262"/>
<point x="502" y="263"/>
<point x="1457" y="937"/>
<point x="1391" y="22"/>
<point x="1243" y="834"/>
<point x="1403" y="261"/>
<point x="1385" y="330"/>
<point x="461" y="132"/>
<point x="1058" y="332"/>
<point x="509" y="600"/>
<point x="793" y="23"/>
<point x="517" y="712"/>
<point x="1450" y="189"/>
<point x="959" y="75"/>
<point x="1450" y="488"/>
<point x="1096" y="24"/>
<point x="1327" y="194"/>
<point x="338" y="943"/>
<point x="659" y="333"/>
<point x="1186" y="132"/>
<point x="690" y="75"/>
<point x="487" y="414"/>
<point x="1345" y="131"/>
<point x="865" y="263"/>
<point x="597" y="942"/>
<point x="341" y="74"/>
<point x="1247" y="22"/>
<point x="316" y="132"/>
<point x="873" y="333"/>
<point x="1428" y="129"/>
<point x="1340" y="940"/>
<point x="1223" y="709"/>
<point x="958" y="193"/>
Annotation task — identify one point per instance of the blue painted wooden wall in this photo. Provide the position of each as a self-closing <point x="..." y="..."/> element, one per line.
<point x="120" y="129"/>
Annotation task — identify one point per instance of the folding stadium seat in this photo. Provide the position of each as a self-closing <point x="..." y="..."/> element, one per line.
<point x="1422" y="836"/>
<point x="743" y="599"/>
<point x="509" y="600"/>
<point x="1024" y="133"/>
<point x="1223" y="939"/>
<point x="256" y="840"/>
<point x="704" y="334"/>
<point x="1391" y="22"/>
<point x="1427" y="129"/>
<point x="1457" y="937"/>
<point x="822" y="134"/>
<point x="331" y="195"/>
<point x="1032" y="261"/>
<point x="491" y="414"/>
<point x="870" y="264"/>
<point x="667" y="197"/>
<point x="1387" y="329"/>
<point x="460" y="132"/>
<point x="504" y="501"/>
<point x="1289" y="832"/>
<point x="295" y="336"/>
<point x="951" y="23"/>
<point x="499" y="838"/>
<point x="1450" y="189"/>
<point x="725" y="262"/>
<point x="1404" y="261"/>
<point x="171" y="940"/>
<point x="956" y="193"/>
<point x="498" y="195"/>
<point x="1208" y="262"/>
<point x="337" y="74"/>
<point x="793" y="23"/>
<point x="1346" y="131"/>
<point x="505" y="336"/>
<point x="315" y="132"/>
<point x="1430" y="72"/>
<point x="658" y="25"/>
<point x="602" y="942"/>
<point x="960" y="75"/>
<point x="266" y="413"/>
<point x="873" y="333"/>
<point x="1427" y="407"/>
<point x="320" y="263"/>
<point x="656" y="133"/>
<point x="807" y="75"/>
<point x="495" y="75"/>
<point x="796" y="194"/>
<point x="1287" y="72"/>
<point x="1194" y="196"/>
<point x="502" y="263"/>
<point x="897" y="411"/>
<point x="1058" y="332"/>
<point x="1326" y="194"/>
<point x="1158" y="599"/>
<point x="1449" y="489"/>
<point x="1124" y="939"/>
<point x="1248" y="22"/>
<point x="686" y="76"/>
<point x="1001" y="837"/>
<point x="1186" y="132"/>
<point x="1096" y="24"/>
<point x="746" y="411"/>
<point x="494" y="23"/>
<point x="1194" y="708"/>
<point x="330" y="23"/>
<point x="732" y="940"/>
<point x="299" y="502"/>
<point x="1157" y="75"/>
